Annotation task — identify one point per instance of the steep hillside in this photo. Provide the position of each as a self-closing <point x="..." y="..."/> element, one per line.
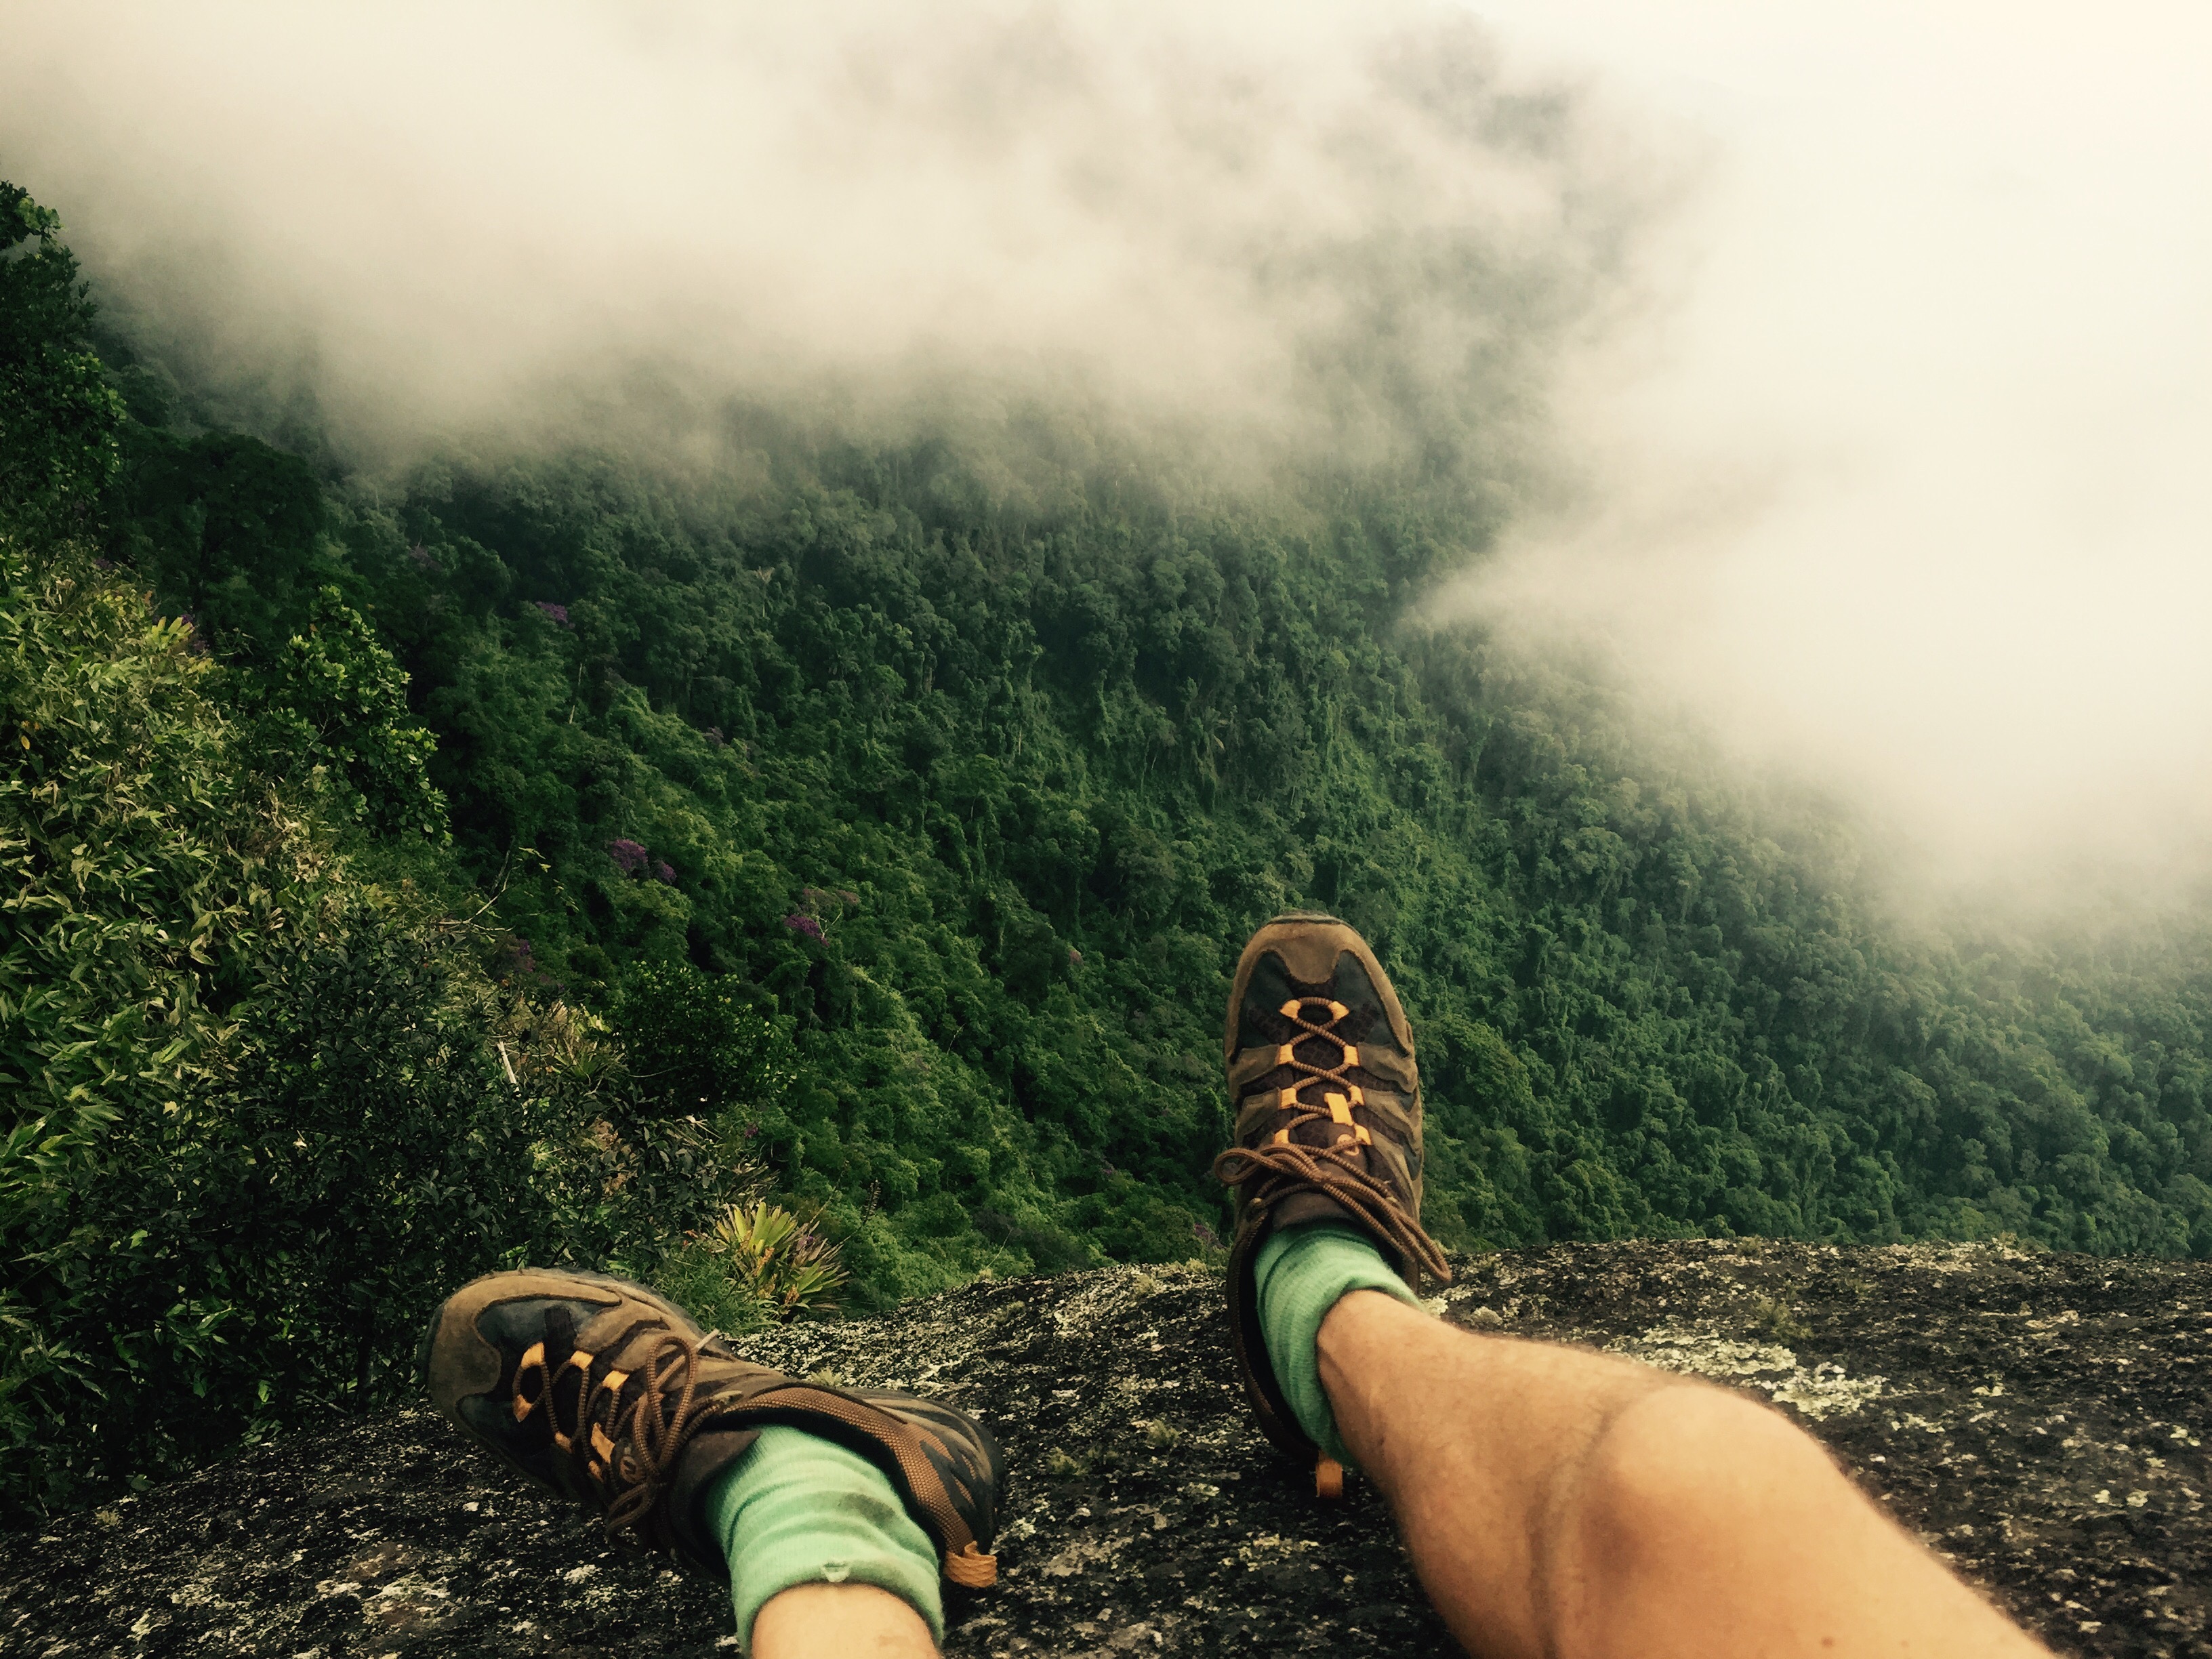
<point x="976" y="799"/>
<point x="568" y="856"/>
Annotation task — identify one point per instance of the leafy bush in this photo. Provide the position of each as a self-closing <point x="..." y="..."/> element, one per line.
<point x="269" y="1240"/>
<point x="694" y="1044"/>
<point x="255" y="1125"/>
<point x="59" y="419"/>
<point x="331" y="709"/>
<point x="262" y="1123"/>
<point x="140" y="879"/>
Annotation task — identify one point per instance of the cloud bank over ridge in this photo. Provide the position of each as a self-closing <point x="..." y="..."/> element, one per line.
<point x="1900" y="490"/>
<point x="1326" y="230"/>
<point x="1843" y="378"/>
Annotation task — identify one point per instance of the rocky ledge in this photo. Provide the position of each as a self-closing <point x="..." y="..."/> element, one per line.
<point x="2037" y="1418"/>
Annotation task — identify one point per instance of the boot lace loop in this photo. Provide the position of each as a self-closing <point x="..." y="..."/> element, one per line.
<point x="633" y="1447"/>
<point x="1283" y="1165"/>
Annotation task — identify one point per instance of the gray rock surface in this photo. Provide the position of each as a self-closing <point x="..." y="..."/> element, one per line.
<point x="2038" y="1418"/>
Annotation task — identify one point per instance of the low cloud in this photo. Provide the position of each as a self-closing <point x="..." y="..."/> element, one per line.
<point x="1899" y="492"/>
<point x="1330" y="232"/>
<point x="1840" y="379"/>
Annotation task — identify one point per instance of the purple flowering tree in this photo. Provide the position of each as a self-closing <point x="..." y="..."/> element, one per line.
<point x="628" y="853"/>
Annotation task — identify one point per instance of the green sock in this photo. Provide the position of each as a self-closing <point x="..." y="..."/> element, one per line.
<point x="1300" y="1272"/>
<point x="796" y="1509"/>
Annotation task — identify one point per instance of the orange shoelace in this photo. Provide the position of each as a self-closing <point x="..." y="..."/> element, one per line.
<point x="1283" y="1165"/>
<point x="635" y="1449"/>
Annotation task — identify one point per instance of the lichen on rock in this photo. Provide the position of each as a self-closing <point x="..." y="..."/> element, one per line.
<point x="2037" y="1418"/>
<point x="1823" y="1391"/>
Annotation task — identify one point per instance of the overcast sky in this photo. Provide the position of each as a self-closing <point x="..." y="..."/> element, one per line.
<point x="1892" y="437"/>
<point x="1903" y="479"/>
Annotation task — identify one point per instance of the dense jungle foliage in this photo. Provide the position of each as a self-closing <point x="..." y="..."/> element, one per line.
<point x="261" y="1101"/>
<point x="843" y="825"/>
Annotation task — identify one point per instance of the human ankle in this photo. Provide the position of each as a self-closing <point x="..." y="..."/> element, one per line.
<point x="1304" y="1274"/>
<point x="798" y="1510"/>
<point x="1354" y="1350"/>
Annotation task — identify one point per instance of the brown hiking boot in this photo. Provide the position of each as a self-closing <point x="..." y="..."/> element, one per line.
<point x="1329" y="1127"/>
<point x="605" y="1392"/>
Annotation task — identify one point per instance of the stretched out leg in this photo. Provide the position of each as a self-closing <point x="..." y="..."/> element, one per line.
<point x="1564" y="1504"/>
<point x="1559" y="1504"/>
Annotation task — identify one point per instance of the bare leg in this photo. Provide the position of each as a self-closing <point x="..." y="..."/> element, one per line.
<point x="1563" y="1504"/>
<point x="840" y="1621"/>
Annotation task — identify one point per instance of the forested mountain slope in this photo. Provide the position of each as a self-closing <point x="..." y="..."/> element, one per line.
<point x="897" y="824"/>
<point x="977" y="799"/>
<point x="980" y="799"/>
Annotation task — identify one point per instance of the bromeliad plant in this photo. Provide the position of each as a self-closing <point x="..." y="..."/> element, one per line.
<point x="777" y="1258"/>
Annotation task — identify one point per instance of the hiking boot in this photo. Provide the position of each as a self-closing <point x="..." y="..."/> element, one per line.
<point x="606" y="1392"/>
<point x="1328" y="1101"/>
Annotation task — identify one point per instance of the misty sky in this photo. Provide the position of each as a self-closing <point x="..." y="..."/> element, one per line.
<point x="1888" y="427"/>
<point x="1903" y="479"/>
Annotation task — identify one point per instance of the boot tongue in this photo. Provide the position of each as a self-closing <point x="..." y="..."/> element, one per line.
<point x="1270" y="988"/>
<point x="1273" y="987"/>
<point x="560" y="1337"/>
